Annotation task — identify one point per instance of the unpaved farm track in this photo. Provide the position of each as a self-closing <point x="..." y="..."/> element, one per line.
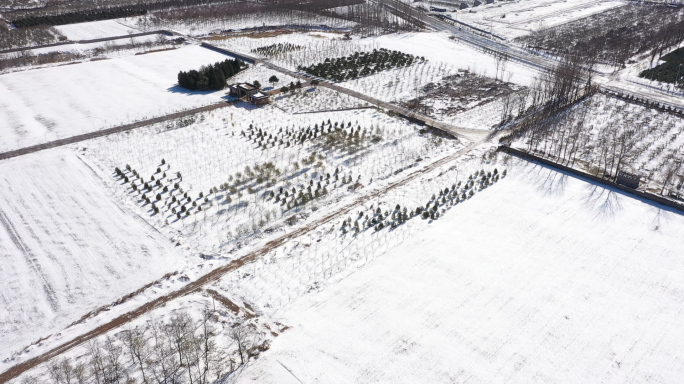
<point x="105" y="132"/>
<point x="216" y="274"/>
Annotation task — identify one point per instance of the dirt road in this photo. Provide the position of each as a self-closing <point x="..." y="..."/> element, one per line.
<point x="216" y="274"/>
<point x="105" y="132"/>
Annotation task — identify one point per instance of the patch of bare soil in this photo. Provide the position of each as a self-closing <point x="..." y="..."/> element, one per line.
<point x="458" y="93"/>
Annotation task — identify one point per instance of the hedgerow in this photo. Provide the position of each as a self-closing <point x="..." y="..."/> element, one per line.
<point x="77" y="17"/>
<point x="360" y="64"/>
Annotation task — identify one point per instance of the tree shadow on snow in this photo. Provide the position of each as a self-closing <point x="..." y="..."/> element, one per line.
<point x="179" y="89"/>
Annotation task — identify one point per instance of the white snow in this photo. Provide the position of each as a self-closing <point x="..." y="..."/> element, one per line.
<point x="95" y="30"/>
<point x="542" y="278"/>
<point x="67" y="246"/>
<point x="510" y="19"/>
<point x="438" y="47"/>
<point x="52" y="103"/>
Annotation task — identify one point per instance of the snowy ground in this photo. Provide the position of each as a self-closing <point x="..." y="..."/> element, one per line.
<point x="640" y="63"/>
<point x="444" y="57"/>
<point x="47" y="104"/>
<point x="236" y="23"/>
<point x="67" y="246"/>
<point x="240" y="207"/>
<point x="95" y="30"/>
<point x="437" y="48"/>
<point x="510" y="19"/>
<point x="538" y="270"/>
<point x="599" y="124"/>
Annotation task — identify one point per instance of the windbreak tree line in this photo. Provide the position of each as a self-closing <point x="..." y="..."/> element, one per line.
<point x="275" y="49"/>
<point x="77" y="17"/>
<point x="211" y="77"/>
<point x="360" y="64"/>
<point x="613" y="37"/>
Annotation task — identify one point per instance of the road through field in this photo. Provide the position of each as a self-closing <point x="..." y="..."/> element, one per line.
<point x="217" y="273"/>
<point x="105" y="132"/>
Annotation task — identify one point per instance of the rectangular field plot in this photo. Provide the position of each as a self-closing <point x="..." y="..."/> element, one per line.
<point x="66" y="247"/>
<point x="52" y="103"/>
<point x="540" y="278"/>
<point x="95" y="30"/>
<point x="514" y="19"/>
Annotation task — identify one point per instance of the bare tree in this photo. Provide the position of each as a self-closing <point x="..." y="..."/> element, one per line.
<point x="136" y="343"/>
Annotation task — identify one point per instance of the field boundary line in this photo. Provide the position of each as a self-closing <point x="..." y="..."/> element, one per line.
<point x="109" y="131"/>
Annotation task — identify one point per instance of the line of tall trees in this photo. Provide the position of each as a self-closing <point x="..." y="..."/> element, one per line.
<point x="552" y="92"/>
<point x="212" y="77"/>
<point x="77" y="17"/>
<point x="178" y="351"/>
<point x="616" y="35"/>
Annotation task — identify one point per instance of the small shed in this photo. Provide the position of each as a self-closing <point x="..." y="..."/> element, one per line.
<point x="464" y="6"/>
<point x="258" y="98"/>
<point x="628" y="179"/>
<point x="477" y="3"/>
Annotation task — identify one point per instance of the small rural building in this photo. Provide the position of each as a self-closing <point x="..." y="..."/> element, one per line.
<point x="258" y="98"/>
<point x="464" y="6"/>
<point x="628" y="179"/>
<point x="242" y="90"/>
<point x="477" y="3"/>
<point x="249" y="92"/>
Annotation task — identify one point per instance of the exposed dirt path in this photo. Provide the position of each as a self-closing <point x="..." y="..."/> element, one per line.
<point x="218" y="273"/>
<point x="68" y="42"/>
<point x="109" y="131"/>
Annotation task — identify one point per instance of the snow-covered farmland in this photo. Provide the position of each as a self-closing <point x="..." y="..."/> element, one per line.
<point x="437" y="48"/>
<point x="510" y="19"/>
<point x="540" y="278"/>
<point x="81" y="48"/>
<point x="208" y="24"/>
<point x="95" y="30"/>
<point x="605" y="135"/>
<point x="445" y="57"/>
<point x="230" y="174"/>
<point x="67" y="247"/>
<point x="52" y="103"/>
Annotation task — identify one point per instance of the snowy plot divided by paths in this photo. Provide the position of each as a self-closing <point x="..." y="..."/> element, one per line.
<point x="519" y="18"/>
<point x="95" y="30"/>
<point x="66" y="247"/>
<point x="541" y="278"/>
<point x="53" y="103"/>
<point x="438" y="47"/>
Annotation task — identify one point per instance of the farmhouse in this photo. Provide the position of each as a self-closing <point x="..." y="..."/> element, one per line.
<point x="249" y="92"/>
<point x="628" y="179"/>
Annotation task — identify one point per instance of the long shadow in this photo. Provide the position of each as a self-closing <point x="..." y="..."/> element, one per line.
<point x="603" y="196"/>
<point x="179" y="89"/>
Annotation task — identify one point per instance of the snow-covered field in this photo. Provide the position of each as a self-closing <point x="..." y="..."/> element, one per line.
<point x="540" y="278"/>
<point x="445" y="57"/>
<point x="614" y="135"/>
<point x="222" y="201"/>
<point x="437" y="48"/>
<point x="51" y="103"/>
<point x="510" y="19"/>
<point x="67" y="246"/>
<point x="95" y="30"/>
<point x="238" y="22"/>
